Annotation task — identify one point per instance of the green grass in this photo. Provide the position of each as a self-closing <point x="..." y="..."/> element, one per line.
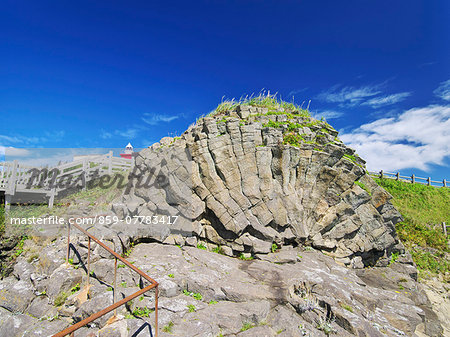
<point x="2" y="220"/>
<point x="142" y="312"/>
<point x="263" y="100"/>
<point x="218" y="250"/>
<point x="191" y="308"/>
<point x="197" y="296"/>
<point x="168" y="327"/>
<point x="61" y="299"/>
<point x="75" y="288"/>
<point x="360" y="184"/>
<point x="246" y="326"/>
<point x="242" y="257"/>
<point x="422" y="207"/>
<point x="201" y="246"/>
<point x="347" y="307"/>
<point x="293" y="139"/>
<point x="274" y="247"/>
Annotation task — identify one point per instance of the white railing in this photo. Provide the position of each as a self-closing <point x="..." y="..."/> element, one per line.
<point x="16" y="177"/>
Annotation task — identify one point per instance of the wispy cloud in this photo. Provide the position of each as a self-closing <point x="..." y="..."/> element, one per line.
<point x="416" y="138"/>
<point x="154" y="119"/>
<point x="129" y="133"/>
<point x="328" y="114"/>
<point x="377" y="102"/>
<point x="443" y="91"/>
<point x="21" y="140"/>
<point x="297" y="91"/>
<point x="349" y="95"/>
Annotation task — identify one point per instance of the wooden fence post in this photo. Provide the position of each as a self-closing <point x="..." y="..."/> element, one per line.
<point x="52" y="197"/>
<point x="444" y="183"/>
<point x="381" y="174"/>
<point x="429" y="181"/>
<point x="397" y="176"/>
<point x="444" y="228"/>
<point x="11" y="187"/>
<point x="110" y="162"/>
<point x="85" y="168"/>
<point x="412" y="179"/>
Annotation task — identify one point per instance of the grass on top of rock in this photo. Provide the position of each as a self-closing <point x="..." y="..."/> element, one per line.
<point x="423" y="208"/>
<point x="263" y="100"/>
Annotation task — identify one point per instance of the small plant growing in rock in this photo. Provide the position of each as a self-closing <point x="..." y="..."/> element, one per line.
<point x="293" y="139"/>
<point x="60" y="299"/>
<point x="197" y="296"/>
<point x="347" y="307"/>
<point x="200" y="245"/>
<point x="109" y="289"/>
<point x="213" y="302"/>
<point x="75" y="288"/>
<point x="274" y="247"/>
<point x="324" y="324"/>
<point x="245" y="258"/>
<point x="171" y="275"/>
<point x="246" y="326"/>
<point x="394" y="257"/>
<point x="123" y="284"/>
<point x="121" y="266"/>
<point x="218" y="250"/>
<point x="168" y="327"/>
<point x="142" y="312"/>
<point x="191" y="308"/>
<point x="364" y="187"/>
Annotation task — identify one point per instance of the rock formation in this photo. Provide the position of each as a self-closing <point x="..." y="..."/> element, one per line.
<point x="251" y="178"/>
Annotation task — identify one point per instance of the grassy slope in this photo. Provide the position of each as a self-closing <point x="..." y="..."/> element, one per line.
<point x="424" y="208"/>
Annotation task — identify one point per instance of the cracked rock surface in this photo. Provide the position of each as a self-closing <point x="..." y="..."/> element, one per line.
<point x="239" y="181"/>
<point x="292" y="292"/>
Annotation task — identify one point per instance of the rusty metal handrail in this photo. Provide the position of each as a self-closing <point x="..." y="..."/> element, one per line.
<point x="115" y="305"/>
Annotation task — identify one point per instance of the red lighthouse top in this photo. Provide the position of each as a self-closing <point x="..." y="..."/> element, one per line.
<point x="128" y="153"/>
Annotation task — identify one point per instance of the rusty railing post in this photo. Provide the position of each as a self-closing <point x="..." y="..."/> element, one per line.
<point x="89" y="261"/>
<point x="115" y="285"/>
<point x="156" y="310"/>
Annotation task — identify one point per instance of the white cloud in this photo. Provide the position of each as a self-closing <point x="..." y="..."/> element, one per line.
<point x="416" y="138"/>
<point x="377" y="102"/>
<point x="328" y="114"/>
<point x="15" y="152"/>
<point x="443" y="91"/>
<point x="129" y="133"/>
<point x="349" y="95"/>
<point x="105" y="135"/>
<point x="297" y="91"/>
<point x="22" y="140"/>
<point x="154" y="119"/>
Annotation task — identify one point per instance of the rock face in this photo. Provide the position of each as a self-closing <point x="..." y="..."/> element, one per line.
<point x="292" y="293"/>
<point x="251" y="178"/>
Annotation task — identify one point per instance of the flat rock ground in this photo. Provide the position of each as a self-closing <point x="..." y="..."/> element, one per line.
<point x="291" y="292"/>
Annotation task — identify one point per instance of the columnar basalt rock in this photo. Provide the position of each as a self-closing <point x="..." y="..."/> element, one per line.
<point x="253" y="177"/>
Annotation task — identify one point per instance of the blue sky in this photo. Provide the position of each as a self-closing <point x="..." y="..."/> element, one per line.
<point x="103" y="73"/>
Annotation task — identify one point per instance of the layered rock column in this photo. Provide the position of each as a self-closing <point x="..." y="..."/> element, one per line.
<point x="240" y="182"/>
